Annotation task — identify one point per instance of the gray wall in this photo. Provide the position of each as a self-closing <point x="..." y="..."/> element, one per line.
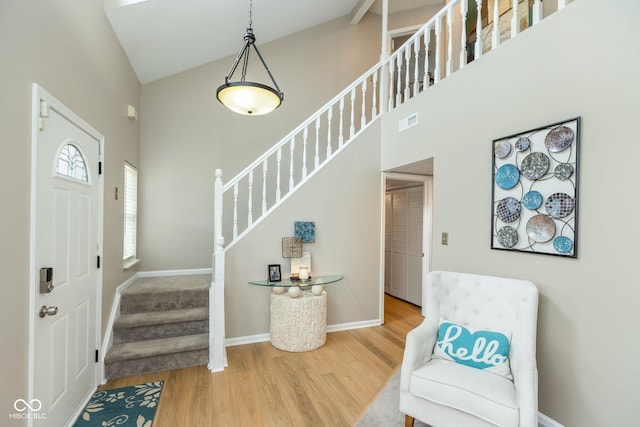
<point x="68" y="48"/>
<point x="582" y="61"/>
<point x="347" y="242"/>
<point x="186" y="133"/>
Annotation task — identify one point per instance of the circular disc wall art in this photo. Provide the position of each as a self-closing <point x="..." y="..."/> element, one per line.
<point x="563" y="171"/>
<point x="507" y="237"/>
<point x="502" y="149"/>
<point x="559" y="205"/>
<point x="523" y="143"/>
<point x="541" y="228"/>
<point x="563" y="244"/>
<point x="508" y="209"/>
<point x="507" y="176"/>
<point x="558" y="139"/>
<point x="532" y="200"/>
<point x="535" y="165"/>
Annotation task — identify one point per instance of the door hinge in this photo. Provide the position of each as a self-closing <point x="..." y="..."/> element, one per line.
<point x="98" y="264"/>
<point x="97" y="355"/>
<point x="99" y="168"/>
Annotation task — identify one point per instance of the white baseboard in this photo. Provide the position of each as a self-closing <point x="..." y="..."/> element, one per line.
<point x="353" y="325"/>
<point x="252" y="339"/>
<point x="544" y="421"/>
<point x="163" y="273"/>
<point x="249" y="339"/>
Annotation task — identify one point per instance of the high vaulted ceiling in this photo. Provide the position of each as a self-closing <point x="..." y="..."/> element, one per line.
<point x="164" y="37"/>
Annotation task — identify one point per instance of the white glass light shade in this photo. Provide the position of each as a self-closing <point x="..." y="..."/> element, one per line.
<point x="249" y="98"/>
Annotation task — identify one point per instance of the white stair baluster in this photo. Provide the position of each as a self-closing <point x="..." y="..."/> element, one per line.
<point x="305" y="136"/>
<point x="363" y="117"/>
<point x="250" y="200"/>
<point x="374" y="110"/>
<point x="463" y="33"/>
<point x="279" y="161"/>
<point x="292" y="148"/>
<point x="329" y="117"/>
<point x="317" y="157"/>
<point x="449" y="67"/>
<point x="407" y="73"/>
<point x="536" y="12"/>
<point x="478" y="46"/>
<point x="264" y="186"/>
<point x="352" y="128"/>
<point x="515" y="20"/>
<point x="416" y="55"/>
<point x="235" y="211"/>
<point x="399" y="79"/>
<point x="392" y="68"/>
<point x="341" y="130"/>
<point x="495" y="35"/>
<point x="438" y="65"/>
<point x="427" y="39"/>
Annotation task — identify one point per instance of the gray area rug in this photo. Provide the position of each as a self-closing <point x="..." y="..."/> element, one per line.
<point x="384" y="412"/>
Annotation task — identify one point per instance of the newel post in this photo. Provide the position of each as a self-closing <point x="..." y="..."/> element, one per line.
<point x="217" y="350"/>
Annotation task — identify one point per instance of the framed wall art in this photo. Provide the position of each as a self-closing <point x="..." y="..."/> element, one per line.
<point x="535" y="190"/>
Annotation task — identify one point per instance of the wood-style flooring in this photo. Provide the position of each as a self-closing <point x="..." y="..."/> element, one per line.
<point x="264" y="386"/>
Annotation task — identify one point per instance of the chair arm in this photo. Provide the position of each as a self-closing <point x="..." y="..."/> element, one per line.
<point x="525" y="379"/>
<point x="417" y="351"/>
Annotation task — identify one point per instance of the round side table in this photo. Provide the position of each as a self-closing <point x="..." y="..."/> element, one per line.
<point x="298" y="315"/>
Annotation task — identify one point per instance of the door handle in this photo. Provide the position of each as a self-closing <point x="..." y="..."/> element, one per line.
<point x="48" y="311"/>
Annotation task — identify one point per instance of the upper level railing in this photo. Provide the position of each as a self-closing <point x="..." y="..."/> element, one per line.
<point x="459" y="33"/>
<point x="445" y="44"/>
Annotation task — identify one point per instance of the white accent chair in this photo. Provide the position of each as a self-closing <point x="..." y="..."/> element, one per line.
<point x="443" y="393"/>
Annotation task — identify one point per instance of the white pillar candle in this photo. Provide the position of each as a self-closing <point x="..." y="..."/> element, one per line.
<point x="303" y="273"/>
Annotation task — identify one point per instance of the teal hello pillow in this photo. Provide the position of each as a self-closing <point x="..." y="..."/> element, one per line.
<point x="480" y="349"/>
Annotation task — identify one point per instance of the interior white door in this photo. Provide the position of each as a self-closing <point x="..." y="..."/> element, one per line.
<point x="404" y="243"/>
<point x="66" y="240"/>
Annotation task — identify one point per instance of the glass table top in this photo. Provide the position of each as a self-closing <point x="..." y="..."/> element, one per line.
<point x="287" y="283"/>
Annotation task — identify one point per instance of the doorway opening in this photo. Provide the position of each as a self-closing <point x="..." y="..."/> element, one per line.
<point x="407" y="231"/>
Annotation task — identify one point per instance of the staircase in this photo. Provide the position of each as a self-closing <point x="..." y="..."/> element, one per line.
<point x="434" y="52"/>
<point x="163" y="325"/>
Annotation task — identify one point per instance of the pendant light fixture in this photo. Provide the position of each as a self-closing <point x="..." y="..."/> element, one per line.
<point x="245" y="97"/>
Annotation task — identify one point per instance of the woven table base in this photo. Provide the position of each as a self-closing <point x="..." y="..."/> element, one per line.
<point x="298" y="324"/>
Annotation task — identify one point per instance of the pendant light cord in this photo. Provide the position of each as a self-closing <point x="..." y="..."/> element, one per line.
<point x="250" y="13"/>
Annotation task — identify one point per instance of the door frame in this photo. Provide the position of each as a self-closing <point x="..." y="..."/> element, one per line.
<point x="427" y="214"/>
<point x="42" y="100"/>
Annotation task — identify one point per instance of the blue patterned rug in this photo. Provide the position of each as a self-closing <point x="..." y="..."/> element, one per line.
<point x="133" y="406"/>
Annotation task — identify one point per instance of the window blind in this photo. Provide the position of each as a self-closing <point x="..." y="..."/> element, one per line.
<point x="130" y="211"/>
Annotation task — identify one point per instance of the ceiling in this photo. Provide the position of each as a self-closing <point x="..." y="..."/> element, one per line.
<point x="165" y="37"/>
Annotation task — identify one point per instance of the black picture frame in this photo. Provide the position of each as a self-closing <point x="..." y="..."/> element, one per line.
<point x="274" y="273"/>
<point x="534" y="196"/>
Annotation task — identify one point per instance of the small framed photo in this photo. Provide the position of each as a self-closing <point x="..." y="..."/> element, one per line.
<point x="274" y="273"/>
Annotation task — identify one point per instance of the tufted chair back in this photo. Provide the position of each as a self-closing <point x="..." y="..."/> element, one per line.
<point x="486" y="302"/>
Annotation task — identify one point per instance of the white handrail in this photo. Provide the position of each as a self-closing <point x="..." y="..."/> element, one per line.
<point x="300" y="128"/>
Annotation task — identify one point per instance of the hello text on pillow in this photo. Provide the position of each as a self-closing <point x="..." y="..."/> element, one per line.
<point x="480" y="349"/>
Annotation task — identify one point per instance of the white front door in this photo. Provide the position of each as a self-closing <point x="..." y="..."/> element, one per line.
<point x="66" y="217"/>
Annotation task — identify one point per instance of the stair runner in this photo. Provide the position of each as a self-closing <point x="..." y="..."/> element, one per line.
<point x="163" y="325"/>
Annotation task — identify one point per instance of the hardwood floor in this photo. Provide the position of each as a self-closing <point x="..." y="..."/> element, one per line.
<point x="264" y="386"/>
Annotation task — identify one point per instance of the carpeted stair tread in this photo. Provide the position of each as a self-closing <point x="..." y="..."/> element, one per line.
<point x="146" y="285"/>
<point x="164" y="346"/>
<point x="161" y="317"/>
